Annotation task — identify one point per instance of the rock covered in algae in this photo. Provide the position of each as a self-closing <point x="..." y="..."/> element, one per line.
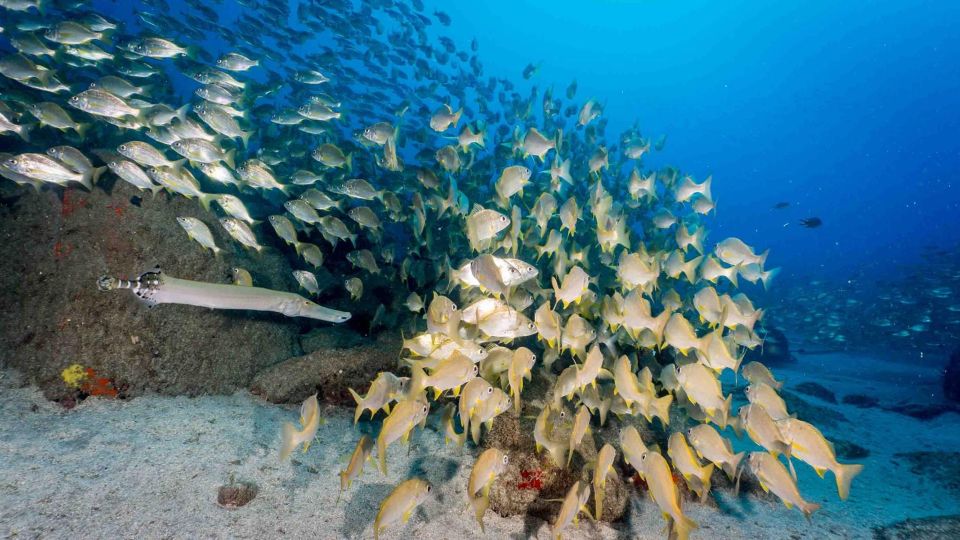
<point x="532" y="482"/>
<point x="66" y="239"/>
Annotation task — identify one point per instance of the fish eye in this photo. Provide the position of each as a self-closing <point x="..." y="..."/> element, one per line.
<point x="643" y="457"/>
<point x="490" y="390"/>
<point x="429" y="487"/>
<point x="505" y="459"/>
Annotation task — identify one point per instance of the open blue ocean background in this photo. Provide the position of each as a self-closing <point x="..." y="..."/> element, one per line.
<point x="849" y="111"/>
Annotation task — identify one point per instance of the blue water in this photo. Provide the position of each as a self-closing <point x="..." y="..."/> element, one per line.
<point x="847" y="110"/>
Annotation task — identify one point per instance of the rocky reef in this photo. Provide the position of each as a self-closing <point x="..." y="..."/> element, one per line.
<point x="64" y="239"/>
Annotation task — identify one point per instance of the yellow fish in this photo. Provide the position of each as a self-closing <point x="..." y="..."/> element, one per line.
<point x="400" y="504"/>
<point x="490" y="464"/>
<point x="309" y="420"/>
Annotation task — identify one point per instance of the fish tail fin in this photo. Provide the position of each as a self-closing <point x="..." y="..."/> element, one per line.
<point x="382" y="455"/>
<point x="228" y="158"/>
<point x="809" y="508"/>
<point x="181" y="113"/>
<point x="192" y="52"/>
<point x="763" y="258"/>
<point x="480" y="505"/>
<point x="661" y="408"/>
<point x="706" y="480"/>
<point x="81" y="129"/>
<point x="598" y="500"/>
<point x="793" y="471"/>
<point x="349" y="162"/>
<point x="767" y="277"/>
<point x="845" y="474"/>
<point x="456" y="116"/>
<point x="737" y="426"/>
<point x="418" y="380"/>
<point x="682" y="527"/>
<point x="731" y="274"/>
<point x="205" y="200"/>
<point x="725" y="412"/>
<point x="90" y="176"/>
<point x="245" y="138"/>
<point x="558" y="140"/>
<point x="359" y="400"/>
<point x="288" y="440"/>
<point x="731" y="468"/>
<point x="177" y="165"/>
<point x="24" y="133"/>
<point x="475" y="431"/>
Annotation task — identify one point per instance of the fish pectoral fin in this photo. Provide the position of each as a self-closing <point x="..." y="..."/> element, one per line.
<point x="820" y="472"/>
<point x="407" y="514"/>
<point x="788" y="505"/>
<point x="456" y="392"/>
<point x="765" y="488"/>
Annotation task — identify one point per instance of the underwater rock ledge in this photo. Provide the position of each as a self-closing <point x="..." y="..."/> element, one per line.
<point x="65" y="239"/>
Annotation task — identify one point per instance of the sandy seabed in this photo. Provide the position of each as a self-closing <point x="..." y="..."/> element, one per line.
<point x="151" y="468"/>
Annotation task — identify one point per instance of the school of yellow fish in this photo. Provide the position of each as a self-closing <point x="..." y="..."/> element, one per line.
<point x="540" y="251"/>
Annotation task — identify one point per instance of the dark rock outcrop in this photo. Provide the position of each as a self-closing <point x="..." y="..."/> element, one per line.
<point x="817" y="390"/>
<point x="58" y="242"/>
<point x="341" y="360"/>
<point x="824" y="417"/>
<point x="775" y="350"/>
<point x="951" y="378"/>
<point x="861" y="401"/>
<point x="928" y="528"/>
<point x="939" y="467"/>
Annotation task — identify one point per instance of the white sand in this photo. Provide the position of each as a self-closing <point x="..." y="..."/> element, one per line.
<point x="151" y="467"/>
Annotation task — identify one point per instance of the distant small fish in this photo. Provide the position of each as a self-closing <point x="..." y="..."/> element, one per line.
<point x="781" y="205"/>
<point x="530" y="70"/>
<point x="811" y="222"/>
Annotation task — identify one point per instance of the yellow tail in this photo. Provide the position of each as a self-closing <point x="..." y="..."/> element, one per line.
<point x="682" y="528"/>
<point x="845" y="474"/>
<point x="289" y="440"/>
<point x="360" y="408"/>
<point x="480" y="505"/>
